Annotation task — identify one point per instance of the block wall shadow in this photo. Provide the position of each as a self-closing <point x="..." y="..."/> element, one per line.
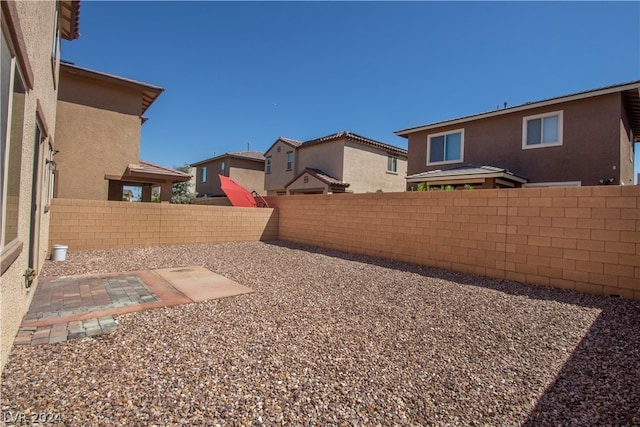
<point x="600" y="382"/>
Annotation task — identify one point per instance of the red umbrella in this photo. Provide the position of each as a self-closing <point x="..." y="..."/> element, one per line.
<point x="237" y="194"/>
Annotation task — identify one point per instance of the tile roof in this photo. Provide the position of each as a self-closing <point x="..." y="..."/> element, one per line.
<point x="630" y="89"/>
<point x="148" y="168"/>
<point x="254" y="155"/>
<point x="247" y="155"/>
<point x="292" y="142"/>
<point x="324" y="177"/>
<point x="465" y="170"/>
<point x="356" y="138"/>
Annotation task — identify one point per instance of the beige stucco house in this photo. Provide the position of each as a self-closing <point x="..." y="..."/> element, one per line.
<point x="99" y="122"/>
<point x="337" y="163"/>
<point x="31" y="35"/>
<point x="244" y="167"/>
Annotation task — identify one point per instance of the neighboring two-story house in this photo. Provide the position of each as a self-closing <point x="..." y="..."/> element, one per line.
<point x="98" y="138"/>
<point x="585" y="138"/>
<point x="244" y="167"/>
<point x="338" y="163"/>
<point x="30" y="60"/>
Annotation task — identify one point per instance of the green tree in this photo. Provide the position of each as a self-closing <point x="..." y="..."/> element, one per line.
<point x="180" y="193"/>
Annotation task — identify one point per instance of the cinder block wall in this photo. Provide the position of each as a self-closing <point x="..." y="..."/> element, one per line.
<point x="583" y="238"/>
<point x="95" y="224"/>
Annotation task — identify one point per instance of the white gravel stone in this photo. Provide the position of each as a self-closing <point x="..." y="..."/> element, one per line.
<point x="331" y="338"/>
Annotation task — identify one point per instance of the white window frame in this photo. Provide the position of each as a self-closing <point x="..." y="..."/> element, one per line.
<point x="289" y="162"/>
<point x="203" y="174"/>
<point x="525" y="121"/>
<point x="392" y="164"/>
<point x="450" y="132"/>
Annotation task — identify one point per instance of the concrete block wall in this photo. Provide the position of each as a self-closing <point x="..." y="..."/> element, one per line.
<point x="581" y="238"/>
<point x="95" y="224"/>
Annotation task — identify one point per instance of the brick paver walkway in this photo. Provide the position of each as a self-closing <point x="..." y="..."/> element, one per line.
<point x="59" y="305"/>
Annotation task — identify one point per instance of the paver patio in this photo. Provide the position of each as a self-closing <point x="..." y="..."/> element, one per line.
<point x="79" y="306"/>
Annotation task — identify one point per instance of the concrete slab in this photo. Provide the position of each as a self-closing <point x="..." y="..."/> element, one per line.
<point x="199" y="284"/>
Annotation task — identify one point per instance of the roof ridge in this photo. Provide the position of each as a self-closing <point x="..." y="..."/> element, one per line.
<point x="357" y="138"/>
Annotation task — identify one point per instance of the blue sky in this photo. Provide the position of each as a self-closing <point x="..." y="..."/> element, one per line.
<point x="239" y="73"/>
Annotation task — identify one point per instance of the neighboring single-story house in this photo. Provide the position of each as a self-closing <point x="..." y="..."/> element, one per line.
<point x="585" y="138"/>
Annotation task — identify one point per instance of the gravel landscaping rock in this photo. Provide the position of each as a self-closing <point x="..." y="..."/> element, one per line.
<point x="330" y="338"/>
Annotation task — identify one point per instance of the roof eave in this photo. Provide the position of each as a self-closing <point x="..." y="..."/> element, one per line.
<point x="70" y="19"/>
<point x="511" y="177"/>
<point x="226" y="155"/>
<point x="528" y="106"/>
<point x="349" y="136"/>
<point x="149" y="93"/>
<point x="290" y="142"/>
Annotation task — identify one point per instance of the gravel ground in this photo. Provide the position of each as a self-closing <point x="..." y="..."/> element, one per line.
<point x="330" y="338"/>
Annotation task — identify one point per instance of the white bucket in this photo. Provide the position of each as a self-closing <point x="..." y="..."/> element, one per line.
<point x="59" y="252"/>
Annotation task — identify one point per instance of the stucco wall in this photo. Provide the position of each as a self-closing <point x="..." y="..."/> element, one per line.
<point x="327" y="156"/>
<point x="248" y="173"/>
<point x="210" y="187"/>
<point x="365" y="168"/>
<point x="34" y="21"/>
<point x="589" y="152"/>
<point x="279" y="175"/>
<point x="99" y="134"/>
<point x="581" y="238"/>
<point x="248" y="178"/>
<point x="313" y="184"/>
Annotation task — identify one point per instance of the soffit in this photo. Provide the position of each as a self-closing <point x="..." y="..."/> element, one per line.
<point x="70" y="19"/>
<point x="631" y="99"/>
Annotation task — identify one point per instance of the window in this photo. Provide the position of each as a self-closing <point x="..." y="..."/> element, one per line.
<point x="203" y="174"/>
<point x="392" y="164"/>
<point x="12" y="120"/>
<point x="542" y="130"/>
<point x="290" y="160"/>
<point x="445" y="147"/>
<point x="268" y="165"/>
<point x="222" y="167"/>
